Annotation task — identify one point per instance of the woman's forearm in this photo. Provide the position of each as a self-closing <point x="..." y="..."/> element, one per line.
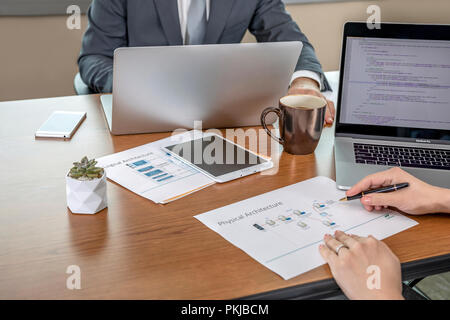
<point x="442" y="200"/>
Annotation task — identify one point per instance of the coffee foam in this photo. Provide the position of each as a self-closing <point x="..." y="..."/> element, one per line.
<point x="303" y="101"/>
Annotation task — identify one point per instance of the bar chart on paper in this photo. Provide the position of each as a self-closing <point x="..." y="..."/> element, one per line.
<point x="282" y="229"/>
<point x="151" y="173"/>
<point x="160" y="170"/>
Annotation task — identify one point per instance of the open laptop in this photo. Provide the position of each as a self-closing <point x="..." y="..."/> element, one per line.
<point x="160" y="89"/>
<point x="394" y="102"/>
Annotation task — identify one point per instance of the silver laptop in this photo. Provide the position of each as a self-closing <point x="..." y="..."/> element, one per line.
<point x="160" y="89"/>
<point x="394" y="102"/>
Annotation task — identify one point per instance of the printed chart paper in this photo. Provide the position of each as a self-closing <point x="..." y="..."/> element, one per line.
<point x="283" y="229"/>
<point x="153" y="174"/>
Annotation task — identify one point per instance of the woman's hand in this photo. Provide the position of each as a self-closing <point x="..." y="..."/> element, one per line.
<point x="365" y="268"/>
<point x="418" y="198"/>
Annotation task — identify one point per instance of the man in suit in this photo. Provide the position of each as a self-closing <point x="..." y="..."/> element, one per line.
<point x="133" y="23"/>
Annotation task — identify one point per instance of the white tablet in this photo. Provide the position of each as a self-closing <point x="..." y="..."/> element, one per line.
<point x="218" y="158"/>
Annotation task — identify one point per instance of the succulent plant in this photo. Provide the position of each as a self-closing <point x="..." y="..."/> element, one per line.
<point x="86" y="170"/>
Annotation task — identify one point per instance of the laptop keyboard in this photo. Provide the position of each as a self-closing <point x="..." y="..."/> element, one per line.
<point x="402" y="156"/>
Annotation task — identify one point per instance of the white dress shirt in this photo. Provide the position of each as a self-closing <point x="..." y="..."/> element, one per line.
<point x="183" y="9"/>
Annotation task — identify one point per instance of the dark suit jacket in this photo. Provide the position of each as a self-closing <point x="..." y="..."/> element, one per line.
<point x="132" y="23"/>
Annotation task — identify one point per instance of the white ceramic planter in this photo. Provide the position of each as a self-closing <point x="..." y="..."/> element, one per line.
<point x="86" y="197"/>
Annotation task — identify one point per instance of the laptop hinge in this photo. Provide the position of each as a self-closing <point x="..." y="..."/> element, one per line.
<point x="390" y="139"/>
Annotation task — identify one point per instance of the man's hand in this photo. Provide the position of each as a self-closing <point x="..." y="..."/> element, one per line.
<point x="418" y="198"/>
<point x="311" y="87"/>
<point x="350" y="267"/>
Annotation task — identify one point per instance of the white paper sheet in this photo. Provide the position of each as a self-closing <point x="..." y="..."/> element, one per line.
<point x="282" y="229"/>
<point x="153" y="174"/>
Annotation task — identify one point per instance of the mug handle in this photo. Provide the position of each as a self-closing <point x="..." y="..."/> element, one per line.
<point x="263" y="122"/>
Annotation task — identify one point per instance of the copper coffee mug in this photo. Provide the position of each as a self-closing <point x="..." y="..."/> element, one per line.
<point x="301" y="119"/>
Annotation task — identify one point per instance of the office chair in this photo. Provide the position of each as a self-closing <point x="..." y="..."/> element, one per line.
<point x="80" y="87"/>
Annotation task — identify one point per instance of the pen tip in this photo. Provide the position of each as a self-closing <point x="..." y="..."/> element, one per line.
<point x="343" y="199"/>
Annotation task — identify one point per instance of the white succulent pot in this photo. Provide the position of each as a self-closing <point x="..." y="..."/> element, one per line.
<point x="86" y="196"/>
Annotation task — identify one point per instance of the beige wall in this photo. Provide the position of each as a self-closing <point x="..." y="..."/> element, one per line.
<point x="37" y="57"/>
<point x="38" y="54"/>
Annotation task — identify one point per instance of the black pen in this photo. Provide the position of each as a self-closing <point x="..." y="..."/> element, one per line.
<point x="391" y="188"/>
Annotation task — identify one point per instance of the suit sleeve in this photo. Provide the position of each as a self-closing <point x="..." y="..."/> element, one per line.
<point x="272" y="23"/>
<point x="106" y="31"/>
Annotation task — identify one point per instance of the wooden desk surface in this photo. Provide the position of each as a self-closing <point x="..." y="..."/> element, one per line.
<point x="136" y="249"/>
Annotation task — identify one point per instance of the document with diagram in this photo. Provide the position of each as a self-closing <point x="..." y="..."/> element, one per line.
<point x="283" y="229"/>
<point x="152" y="173"/>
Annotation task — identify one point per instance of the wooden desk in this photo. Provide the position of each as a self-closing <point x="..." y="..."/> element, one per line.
<point x="136" y="249"/>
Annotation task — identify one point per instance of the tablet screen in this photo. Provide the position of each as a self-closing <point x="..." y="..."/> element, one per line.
<point x="216" y="155"/>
